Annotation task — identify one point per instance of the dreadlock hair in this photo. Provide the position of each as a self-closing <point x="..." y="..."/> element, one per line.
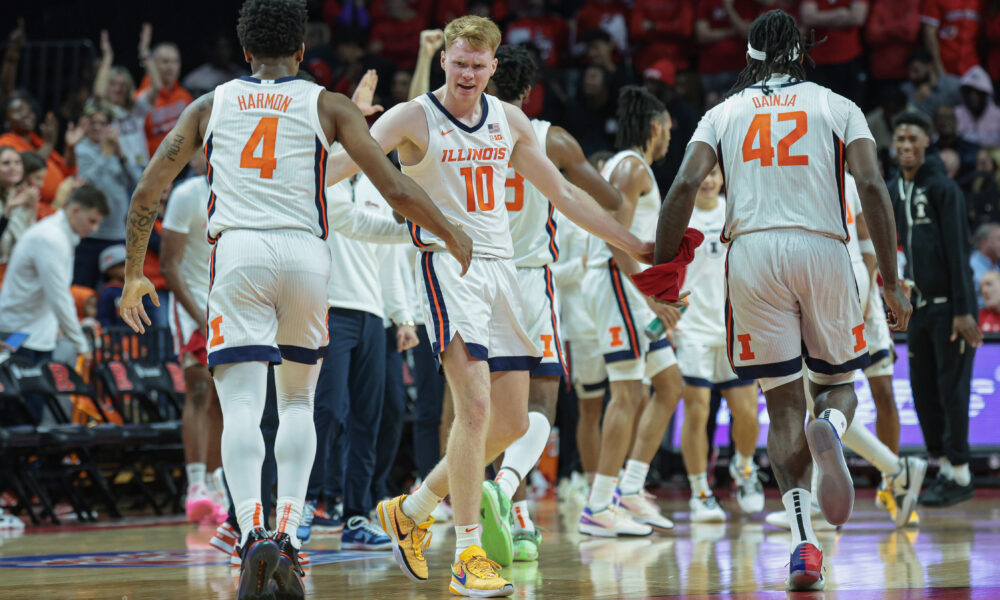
<point x="515" y="72"/>
<point x="636" y="110"/>
<point x="776" y="34"/>
<point x="272" y="28"/>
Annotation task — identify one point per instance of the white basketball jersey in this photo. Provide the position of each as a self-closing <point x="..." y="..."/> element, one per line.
<point x="782" y="156"/>
<point x="464" y="171"/>
<point x="266" y="154"/>
<point x="704" y="320"/>
<point x="186" y="214"/>
<point x="647" y="211"/>
<point x="853" y="210"/>
<point x="532" y="216"/>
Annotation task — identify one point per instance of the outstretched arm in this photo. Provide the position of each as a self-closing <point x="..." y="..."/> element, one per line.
<point x="566" y="153"/>
<point x="675" y="213"/>
<point x="529" y="160"/>
<point x="863" y="161"/>
<point x="402" y="193"/>
<point x="174" y="152"/>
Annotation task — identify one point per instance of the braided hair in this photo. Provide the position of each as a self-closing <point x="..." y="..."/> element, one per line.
<point x="636" y="110"/>
<point x="776" y="34"/>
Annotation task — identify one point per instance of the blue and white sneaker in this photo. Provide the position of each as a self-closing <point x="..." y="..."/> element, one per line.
<point x="362" y="534"/>
<point x="316" y="520"/>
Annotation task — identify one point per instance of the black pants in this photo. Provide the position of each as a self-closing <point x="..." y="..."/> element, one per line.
<point x="390" y="430"/>
<point x="430" y="397"/>
<point x="941" y="377"/>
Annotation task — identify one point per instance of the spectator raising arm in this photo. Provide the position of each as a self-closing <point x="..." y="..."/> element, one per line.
<point x="431" y="41"/>
<point x="853" y="16"/>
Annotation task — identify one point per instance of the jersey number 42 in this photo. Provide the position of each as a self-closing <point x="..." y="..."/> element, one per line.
<point x="760" y="128"/>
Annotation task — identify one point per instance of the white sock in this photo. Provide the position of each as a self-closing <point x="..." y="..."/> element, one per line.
<point x="859" y="439"/>
<point x="420" y="504"/>
<point x="195" y="474"/>
<point x="242" y="388"/>
<point x="248" y="515"/>
<point x="699" y="484"/>
<point x="522" y="520"/>
<point x="961" y="474"/>
<point x="466" y="536"/>
<point x="797" y="502"/>
<point x="289" y="514"/>
<point x="836" y="418"/>
<point x="814" y="482"/>
<point x="945" y="466"/>
<point x="601" y="493"/>
<point x="743" y="461"/>
<point x="522" y="455"/>
<point x="295" y="442"/>
<point x="635" y="477"/>
<point x="508" y="481"/>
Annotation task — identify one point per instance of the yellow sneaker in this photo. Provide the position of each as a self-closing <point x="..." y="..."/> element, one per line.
<point x="409" y="538"/>
<point x="476" y="576"/>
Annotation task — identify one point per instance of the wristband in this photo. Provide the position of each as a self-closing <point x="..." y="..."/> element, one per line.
<point x="867" y="247"/>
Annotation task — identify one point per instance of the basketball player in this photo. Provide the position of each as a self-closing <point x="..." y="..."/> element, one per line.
<point x="781" y="143"/>
<point x="184" y="257"/>
<point x="269" y="265"/>
<point x="457" y="143"/>
<point x="533" y="229"/>
<point x="701" y="355"/>
<point x="620" y="312"/>
<point x="901" y="477"/>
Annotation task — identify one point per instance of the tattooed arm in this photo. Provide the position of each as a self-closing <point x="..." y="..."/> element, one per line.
<point x="174" y="152"/>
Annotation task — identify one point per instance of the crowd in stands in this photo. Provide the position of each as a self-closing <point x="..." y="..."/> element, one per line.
<point x="941" y="57"/>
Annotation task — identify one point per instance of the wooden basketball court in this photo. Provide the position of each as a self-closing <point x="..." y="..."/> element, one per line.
<point x="955" y="553"/>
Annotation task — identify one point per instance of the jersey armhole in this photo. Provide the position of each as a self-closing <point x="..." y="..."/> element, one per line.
<point x="217" y="99"/>
<point x="314" y="120"/>
<point x="424" y="105"/>
<point x="835" y="125"/>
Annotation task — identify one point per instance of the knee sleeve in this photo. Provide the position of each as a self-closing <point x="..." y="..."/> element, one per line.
<point x="242" y="389"/>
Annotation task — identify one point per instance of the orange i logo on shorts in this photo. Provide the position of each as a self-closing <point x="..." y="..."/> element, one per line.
<point x="616" y="337"/>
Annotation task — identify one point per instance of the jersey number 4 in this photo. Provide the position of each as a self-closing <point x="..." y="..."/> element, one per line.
<point x="266" y="132"/>
<point x="760" y="127"/>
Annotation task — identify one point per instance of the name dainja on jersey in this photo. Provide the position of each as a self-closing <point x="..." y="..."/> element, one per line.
<point x="277" y="102"/>
<point x="774" y="100"/>
<point x="464" y="154"/>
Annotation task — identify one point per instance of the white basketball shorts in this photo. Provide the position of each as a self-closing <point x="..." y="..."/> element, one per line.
<point x="484" y="307"/>
<point x="541" y="319"/>
<point x="268" y="300"/>
<point x="706" y="366"/>
<point x="792" y="294"/>
<point x="620" y="315"/>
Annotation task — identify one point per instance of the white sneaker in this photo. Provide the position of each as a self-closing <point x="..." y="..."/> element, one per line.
<point x="644" y="510"/>
<point x="575" y="491"/>
<point x="441" y="512"/>
<point x="613" y="521"/>
<point x="906" y="488"/>
<point x="705" y="509"/>
<point x="779" y="519"/>
<point x="10" y="522"/>
<point x="749" y="491"/>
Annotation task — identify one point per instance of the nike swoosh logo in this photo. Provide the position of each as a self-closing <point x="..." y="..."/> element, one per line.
<point x="459" y="576"/>
<point x="447" y="132"/>
<point x="470" y="529"/>
<point x="395" y="523"/>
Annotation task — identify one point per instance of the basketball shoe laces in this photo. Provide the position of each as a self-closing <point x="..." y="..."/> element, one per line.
<point x="482" y="567"/>
<point x="420" y="538"/>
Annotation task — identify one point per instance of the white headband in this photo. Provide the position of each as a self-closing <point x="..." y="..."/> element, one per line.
<point x="761" y="55"/>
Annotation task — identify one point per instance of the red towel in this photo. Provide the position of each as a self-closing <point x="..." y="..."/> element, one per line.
<point x="198" y="346"/>
<point x="663" y="282"/>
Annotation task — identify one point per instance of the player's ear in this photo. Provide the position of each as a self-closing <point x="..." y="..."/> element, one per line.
<point x="493" y="66"/>
<point x="247" y="56"/>
<point x="300" y="53"/>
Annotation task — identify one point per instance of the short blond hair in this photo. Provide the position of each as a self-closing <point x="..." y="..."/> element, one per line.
<point x="480" y="32"/>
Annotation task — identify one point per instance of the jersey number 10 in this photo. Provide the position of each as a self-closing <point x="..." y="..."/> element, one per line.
<point x="761" y="127"/>
<point x="474" y="181"/>
<point x="266" y="131"/>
